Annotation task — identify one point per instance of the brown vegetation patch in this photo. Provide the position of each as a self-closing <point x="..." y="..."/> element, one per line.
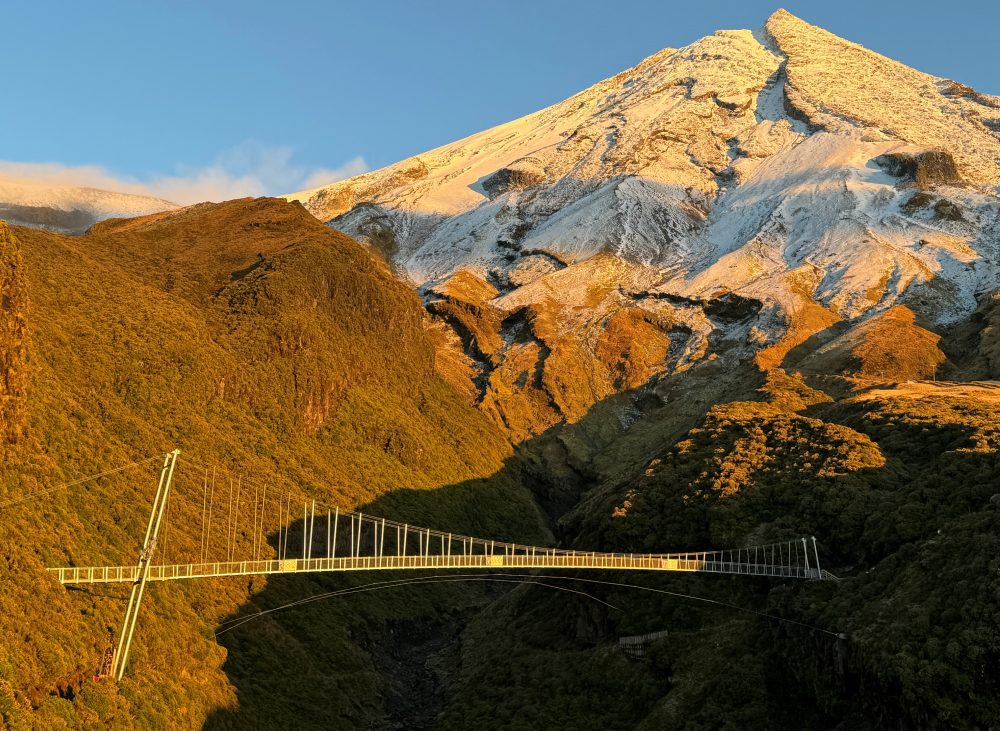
<point x="803" y="320"/>
<point x="312" y="371"/>
<point x="889" y="346"/>
<point x="13" y="340"/>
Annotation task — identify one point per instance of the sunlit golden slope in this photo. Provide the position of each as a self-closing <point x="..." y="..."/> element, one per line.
<point x="254" y="339"/>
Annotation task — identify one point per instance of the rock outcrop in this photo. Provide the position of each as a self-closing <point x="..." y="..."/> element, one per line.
<point x="13" y="340"/>
<point x="924" y="168"/>
<point x="517" y="176"/>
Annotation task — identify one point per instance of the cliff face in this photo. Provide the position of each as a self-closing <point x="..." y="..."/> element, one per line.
<point x="13" y="340"/>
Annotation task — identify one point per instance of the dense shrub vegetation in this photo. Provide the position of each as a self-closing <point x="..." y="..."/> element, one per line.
<point x="897" y="491"/>
<point x="262" y="344"/>
<point x="267" y="347"/>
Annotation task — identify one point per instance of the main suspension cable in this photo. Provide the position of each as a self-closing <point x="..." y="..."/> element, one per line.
<point x="507" y="578"/>
<point x="376" y="585"/>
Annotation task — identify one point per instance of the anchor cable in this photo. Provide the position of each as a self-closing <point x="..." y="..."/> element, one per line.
<point x="80" y="481"/>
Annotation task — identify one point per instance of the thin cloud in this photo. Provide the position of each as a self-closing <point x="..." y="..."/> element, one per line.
<point x="246" y="170"/>
<point x="325" y="176"/>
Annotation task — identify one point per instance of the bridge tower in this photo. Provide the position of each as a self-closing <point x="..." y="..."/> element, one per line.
<point x="145" y="559"/>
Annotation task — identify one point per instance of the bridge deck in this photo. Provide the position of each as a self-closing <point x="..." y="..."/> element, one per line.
<point x="372" y="544"/>
<point x="704" y="563"/>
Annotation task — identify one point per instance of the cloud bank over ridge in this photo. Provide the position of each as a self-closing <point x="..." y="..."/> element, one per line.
<point x="249" y="169"/>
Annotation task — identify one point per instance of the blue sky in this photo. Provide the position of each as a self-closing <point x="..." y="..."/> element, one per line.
<point x="198" y="100"/>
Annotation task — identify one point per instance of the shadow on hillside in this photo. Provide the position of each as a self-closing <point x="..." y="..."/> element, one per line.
<point x="388" y="659"/>
<point x="390" y="654"/>
<point x="794" y="357"/>
<point x="904" y="356"/>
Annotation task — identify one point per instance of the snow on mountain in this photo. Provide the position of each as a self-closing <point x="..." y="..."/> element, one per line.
<point x="758" y="186"/>
<point x="840" y="86"/>
<point x="636" y="145"/>
<point x="69" y="209"/>
<point x="824" y="203"/>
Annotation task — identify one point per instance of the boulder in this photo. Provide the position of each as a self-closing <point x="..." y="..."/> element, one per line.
<point x="925" y="168"/>
<point x="517" y="176"/>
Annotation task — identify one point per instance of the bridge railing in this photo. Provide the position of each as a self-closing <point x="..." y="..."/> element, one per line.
<point x="540" y="559"/>
<point x="357" y="542"/>
<point x="331" y="540"/>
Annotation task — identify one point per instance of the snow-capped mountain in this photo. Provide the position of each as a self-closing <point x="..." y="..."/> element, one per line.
<point x="754" y="187"/>
<point x="69" y="209"/>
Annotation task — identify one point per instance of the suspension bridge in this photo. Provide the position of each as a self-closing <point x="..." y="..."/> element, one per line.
<point x="330" y="540"/>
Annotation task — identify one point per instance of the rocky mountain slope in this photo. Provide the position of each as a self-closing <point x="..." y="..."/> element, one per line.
<point x="258" y="340"/>
<point x="728" y="199"/>
<point x="707" y="298"/>
<point x="69" y="209"/>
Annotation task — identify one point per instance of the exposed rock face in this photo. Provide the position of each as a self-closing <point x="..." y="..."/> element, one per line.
<point x="730" y="197"/>
<point x="13" y="340"/>
<point x="523" y="174"/>
<point x="925" y="168"/>
<point x="539" y="360"/>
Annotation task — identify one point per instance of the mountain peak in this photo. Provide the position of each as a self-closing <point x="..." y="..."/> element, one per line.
<point x="787" y="179"/>
<point x="839" y="86"/>
<point x="781" y="15"/>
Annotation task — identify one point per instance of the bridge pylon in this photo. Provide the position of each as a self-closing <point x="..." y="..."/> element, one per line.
<point x="142" y="568"/>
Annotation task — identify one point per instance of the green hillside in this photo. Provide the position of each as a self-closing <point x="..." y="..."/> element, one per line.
<point x="261" y="344"/>
<point x="278" y="354"/>
<point x="896" y="485"/>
